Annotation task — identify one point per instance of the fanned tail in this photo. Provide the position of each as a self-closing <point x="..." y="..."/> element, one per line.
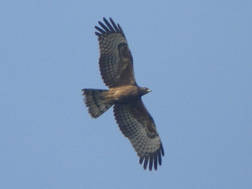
<point x="94" y="100"/>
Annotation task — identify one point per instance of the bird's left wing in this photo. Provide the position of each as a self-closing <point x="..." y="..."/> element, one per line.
<point x="138" y="126"/>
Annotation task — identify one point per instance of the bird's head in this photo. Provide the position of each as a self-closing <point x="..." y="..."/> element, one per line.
<point x="144" y="91"/>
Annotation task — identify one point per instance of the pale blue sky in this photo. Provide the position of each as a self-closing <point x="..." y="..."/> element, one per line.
<point x="194" y="55"/>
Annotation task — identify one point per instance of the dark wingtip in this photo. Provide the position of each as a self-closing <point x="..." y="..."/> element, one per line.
<point x="150" y="162"/>
<point x="100" y="30"/>
<point x="108" y="28"/>
<point x="98" y="34"/>
<point x="146" y="159"/>
<point x="153" y="159"/>
<point x="162" y="149"/>
<point x="155" y="162"/>
<point x="141" y="160"/>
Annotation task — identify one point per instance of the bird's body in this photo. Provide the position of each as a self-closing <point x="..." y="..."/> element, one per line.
<point x="116" y="67"/>
<point x="126" y="93"/>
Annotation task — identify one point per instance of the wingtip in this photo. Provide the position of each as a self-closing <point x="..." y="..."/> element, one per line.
<point x="145" y="162"/>
<point x="111" y="19"/>
<point x="162" y="149"/>
<point x="104" y="19"/>
<point x="153" y="160"/>
<point x="108" y="28"/>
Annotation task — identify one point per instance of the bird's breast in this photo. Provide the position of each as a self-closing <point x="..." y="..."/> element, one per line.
<point x="123" y="94"/>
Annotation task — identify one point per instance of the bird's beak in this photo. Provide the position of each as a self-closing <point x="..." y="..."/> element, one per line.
<point x="148" y="90"/>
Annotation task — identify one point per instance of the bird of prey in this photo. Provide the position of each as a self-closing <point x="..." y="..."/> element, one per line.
<point x="116" y="68"/>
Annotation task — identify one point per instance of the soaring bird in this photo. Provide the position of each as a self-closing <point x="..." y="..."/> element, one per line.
<point x="116" y="68"/>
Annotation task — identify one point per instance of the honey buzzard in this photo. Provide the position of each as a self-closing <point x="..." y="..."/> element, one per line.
<point x="116" y="67"/>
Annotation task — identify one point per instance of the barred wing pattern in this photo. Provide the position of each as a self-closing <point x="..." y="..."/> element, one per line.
<point x="138" y="126"/>
<point x="116" y="62"/>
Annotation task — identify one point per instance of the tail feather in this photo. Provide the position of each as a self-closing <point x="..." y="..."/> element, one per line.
<point x="94" y="100"/>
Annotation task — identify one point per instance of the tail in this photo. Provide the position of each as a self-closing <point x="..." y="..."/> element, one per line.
<point x="94" y="100"/>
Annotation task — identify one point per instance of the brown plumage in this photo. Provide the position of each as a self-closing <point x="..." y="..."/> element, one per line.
<point x="116" y="67"/>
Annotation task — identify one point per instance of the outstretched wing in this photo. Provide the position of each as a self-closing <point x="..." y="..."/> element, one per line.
<point x="138" y="126"/>
<point x="116" y="62"/>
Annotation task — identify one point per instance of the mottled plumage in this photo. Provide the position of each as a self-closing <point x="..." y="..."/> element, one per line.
<point x="116" y="68"/>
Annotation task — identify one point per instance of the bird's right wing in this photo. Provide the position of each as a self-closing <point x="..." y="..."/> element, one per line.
<point x="116" y="62"/>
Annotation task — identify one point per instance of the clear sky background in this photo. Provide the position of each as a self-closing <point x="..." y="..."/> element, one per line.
<point x="196" y="56"/>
